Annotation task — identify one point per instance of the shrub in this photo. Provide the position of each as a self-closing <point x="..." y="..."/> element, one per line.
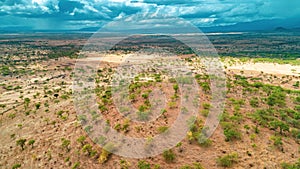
<point x="162" y="129"/>
<point x="279" y="124"/>
<point x="186" y="167"/>
<point x="76" y="165"/>
<point x="12" y="115"/>
<point x="156" y="166"/>
<point x="297" y="84"/>
<point x="297" y="107"/>
<point x="37" y="106"/>
<point x="31" y="142"/>
<point x="118" y="127"/>
<point x="172" y="105"/>
<point x="143" y="165"/>
<point x="277" y="141"/>
<point x="297" y="115"/>
<point x="124" y="164"/>
<point x="297" y="99"/>
<point x="104" y="156"/>
<point x="106" y="151"/>
<point x="232" y="134"/>
<point x="205" y="112"/>
<point x="194" y="166"/>
<point x="81" y="140"/>
<point x="206" y="105"/>
<point x="291" y="166"/>
<point x="125" y="125"/>
<point x="204" y="141"/>
<point x="256" y="130"/>
<point x="169" y="156"/>
<point x="142" y="108"/>
<point x="205" y="86"/>
<point x="15" y="166"/>
<point x="26" y="102"/>
<point x="175" y="87"/>
<point x="21" y="143"/>
<point x="252" y="136"/>
<point x="254" y="102"/>
<point x="145" y="95"/>
<point x="276" y="98"/>
<point x="65" y="97"/>
<point x="172" y="80"/>
<point x="262" y="116"/>
<point x="65" y="144"/>
<point x="228" y="160"/>
<point x="197" y="166"/>
<point x="132" y="96"/>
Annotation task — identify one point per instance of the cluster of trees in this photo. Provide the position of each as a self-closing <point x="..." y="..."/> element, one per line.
<point x="22" y="143"/>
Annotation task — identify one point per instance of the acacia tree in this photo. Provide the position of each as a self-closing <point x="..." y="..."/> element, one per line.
<point x="31" y="142"/>
<point x="21" y="143"/>
<point x="26" y="102"/>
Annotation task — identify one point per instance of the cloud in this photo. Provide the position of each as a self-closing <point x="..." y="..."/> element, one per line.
<point x="203" y="13"/>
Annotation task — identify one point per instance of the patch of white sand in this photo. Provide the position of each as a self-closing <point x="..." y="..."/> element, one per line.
<point x="270" y="68"/>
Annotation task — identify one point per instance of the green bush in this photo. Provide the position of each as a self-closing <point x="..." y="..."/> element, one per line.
<point x="81" y="140"/>
<point x="204" y="141"/>
<point x="143" y="165"/>
<point x="162" y="129"/>
<point x="76" y="165"/>
<point x="206" y="105"/>
<point x="37" y="105"/>
<point x="65" y="144"/>
<point x="254" y="102"/>
<point x="279" y="124"/>
<point x="277" y="98"/>
<point x="277" y="141"/>
<point x="230" y="131"/>
<point x="291" y="166"/>
<point x="169" y="156"/>
<point x="228" y="160"/>
<point x="145" y="95"/>
<point x="15" y="166"/>
<point x="176" y="87"/>
<point x="297" y="107"/>
<point x="31" y="142"/>
<point x="21" y="143"/>
<point x="297" y="99"/>
<point x="197" y="166"/>
<point x="124" y="164"/>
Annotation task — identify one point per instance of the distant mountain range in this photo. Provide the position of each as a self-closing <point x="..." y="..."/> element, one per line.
<point x="278" y="25"/>
<point x="261" y="25"/>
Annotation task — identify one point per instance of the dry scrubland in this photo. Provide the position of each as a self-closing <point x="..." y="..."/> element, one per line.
<point x="259" y="128"/>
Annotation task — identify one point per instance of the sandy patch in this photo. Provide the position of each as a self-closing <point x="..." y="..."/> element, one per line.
<point x="271" y="68"/>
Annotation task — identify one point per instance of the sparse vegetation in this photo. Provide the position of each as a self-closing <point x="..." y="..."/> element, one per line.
<point x="15" y="166"/>
<point x="169" y="156"/>
<point x="21" y="143"/>
<point x="36" y="87"/>
<point x="228" y="160"/>
<point x="291" y="166"/>
<point x="143" y="165"/>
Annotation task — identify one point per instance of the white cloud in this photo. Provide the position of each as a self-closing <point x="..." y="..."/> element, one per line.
<point x="199" y="12"/>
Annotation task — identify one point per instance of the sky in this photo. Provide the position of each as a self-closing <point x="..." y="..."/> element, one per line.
<point x="78" y="14"/>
